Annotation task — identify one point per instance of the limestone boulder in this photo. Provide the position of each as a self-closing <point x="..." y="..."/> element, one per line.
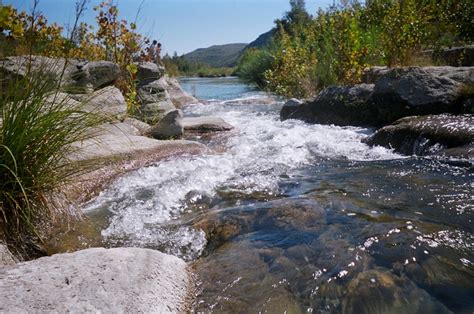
<point x="72" y="75"/>
<point x="96" y="280"/>
<point x="170" y="126"/>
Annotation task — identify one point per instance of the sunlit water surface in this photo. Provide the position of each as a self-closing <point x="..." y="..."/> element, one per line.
<point x="300" y="218"/>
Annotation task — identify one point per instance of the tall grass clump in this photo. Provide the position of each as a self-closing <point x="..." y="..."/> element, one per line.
<point x="39" y="127"/>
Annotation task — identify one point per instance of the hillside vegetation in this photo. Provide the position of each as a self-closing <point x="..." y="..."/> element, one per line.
<point x="217" y="56"/>
<point x="214" y="61"/>
<point x="334" y="46"/>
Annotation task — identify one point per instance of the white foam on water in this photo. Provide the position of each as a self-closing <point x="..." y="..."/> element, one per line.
<point x="261" y="150"/>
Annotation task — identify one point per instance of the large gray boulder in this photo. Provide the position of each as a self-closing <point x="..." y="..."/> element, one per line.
<point x="426" y="135"/>
<point x="73" y="76"/>
<point x="413" y="91"/>
<point x="108" y="100"/>
<point x="94" y="75"/>
<point x="96" y="280"/>
<point x="205" y="124"/>
<point x="339" y="105"/>
<point x="170" y="126"/>
<point x="47" y="70"/>
<point x="148" y="72"/>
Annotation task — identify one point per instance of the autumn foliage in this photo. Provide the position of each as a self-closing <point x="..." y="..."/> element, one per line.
<point x="111" y="39"/>
<point x="335" y="45"/>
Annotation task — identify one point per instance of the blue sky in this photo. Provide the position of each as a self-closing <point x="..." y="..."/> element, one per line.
<point x="185" y="25"/>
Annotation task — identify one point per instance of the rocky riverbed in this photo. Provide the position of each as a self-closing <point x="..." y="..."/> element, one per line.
<point x="324" y="214"/>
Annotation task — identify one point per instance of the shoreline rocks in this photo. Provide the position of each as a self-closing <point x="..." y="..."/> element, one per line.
<point x="426" y="135"/>
<point x="421" y="111"/>
<point x="339" y="105"/>
<point x="397" y="93"/>
<point x="205" y="124"/>
<point x="76" y="76"/>
<point x="98" y="280"/>
<point x="169" y="126"/>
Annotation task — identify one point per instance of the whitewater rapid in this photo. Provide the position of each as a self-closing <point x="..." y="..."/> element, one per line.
<point x="253" y="158"/>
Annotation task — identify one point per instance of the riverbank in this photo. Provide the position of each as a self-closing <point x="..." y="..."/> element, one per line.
<point x="115" y="148"/>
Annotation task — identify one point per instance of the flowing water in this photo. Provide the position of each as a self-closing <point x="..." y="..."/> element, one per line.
<point x="291" y="217"/>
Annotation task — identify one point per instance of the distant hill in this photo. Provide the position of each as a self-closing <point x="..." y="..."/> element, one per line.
<point x="263" y="40"/>
<point x="217" y="56"/>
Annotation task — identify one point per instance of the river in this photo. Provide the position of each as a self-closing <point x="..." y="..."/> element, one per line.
<point x="300" y="217"/>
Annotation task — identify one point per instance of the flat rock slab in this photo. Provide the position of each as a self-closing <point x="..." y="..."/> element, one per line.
<point x="114" y="145"/>
<point x="96" y="280"/>
<point x="205" y="124"/>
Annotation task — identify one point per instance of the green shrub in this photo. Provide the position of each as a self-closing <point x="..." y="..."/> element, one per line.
<point x="37" y="131"/>
<point x="252" y="66"/>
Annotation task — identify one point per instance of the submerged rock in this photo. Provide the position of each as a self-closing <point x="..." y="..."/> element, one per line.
<point x="339" y="105"/>
<point x="205" y="124"/>
<point x="425" y="135"/>
<point x="198" y="200"/>
<point x="377" y="291"/>
<point x="96" y="280"/>
<point x="169" y="126"/>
